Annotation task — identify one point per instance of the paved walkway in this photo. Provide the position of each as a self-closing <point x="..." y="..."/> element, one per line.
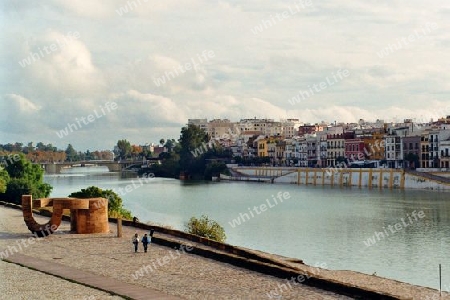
<point x="430" y="176"/>
<point x="96" y="281"/>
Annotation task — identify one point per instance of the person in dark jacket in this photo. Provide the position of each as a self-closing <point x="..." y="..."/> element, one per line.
<point x="145" y="242"/>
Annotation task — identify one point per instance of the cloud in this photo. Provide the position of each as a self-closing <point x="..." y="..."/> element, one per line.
<point x="116" y="58"/>
<point x="69" y="66"/>
<point x="143" y="110"/>
<point x="18" y="114"/>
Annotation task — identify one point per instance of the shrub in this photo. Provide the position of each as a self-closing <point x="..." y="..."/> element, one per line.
<point x="206" y="228"/>
<point x="115" y="208"/>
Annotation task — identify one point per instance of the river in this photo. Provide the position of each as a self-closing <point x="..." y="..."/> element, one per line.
<point x="402" y="235"/>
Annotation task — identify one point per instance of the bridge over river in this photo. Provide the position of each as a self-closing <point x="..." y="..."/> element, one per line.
<point x="113" y="166"/>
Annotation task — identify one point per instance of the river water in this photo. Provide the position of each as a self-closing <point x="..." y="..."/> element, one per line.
<point x="403" y="235"/>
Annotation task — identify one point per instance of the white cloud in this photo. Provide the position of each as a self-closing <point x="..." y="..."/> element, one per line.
<point x="116" y="58"/>
<point x="145" y="110"/>
<point x="19" y="114"/>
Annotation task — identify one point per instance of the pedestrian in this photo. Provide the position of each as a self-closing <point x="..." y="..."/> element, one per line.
<point x="145" y="242"/>
<point x="135" y="241"/>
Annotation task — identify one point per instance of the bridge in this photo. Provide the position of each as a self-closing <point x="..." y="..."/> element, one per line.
<point x="113" y="166"/>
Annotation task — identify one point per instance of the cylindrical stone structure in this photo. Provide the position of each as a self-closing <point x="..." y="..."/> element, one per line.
<point x="87" y="215"/>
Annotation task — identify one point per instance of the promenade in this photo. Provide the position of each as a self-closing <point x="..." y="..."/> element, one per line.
<point x="110" y="264"/>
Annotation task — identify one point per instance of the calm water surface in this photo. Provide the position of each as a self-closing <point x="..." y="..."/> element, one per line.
<point x="316" y="224"/>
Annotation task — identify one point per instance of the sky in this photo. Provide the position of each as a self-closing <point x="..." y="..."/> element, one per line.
<point x="92" y="72"/>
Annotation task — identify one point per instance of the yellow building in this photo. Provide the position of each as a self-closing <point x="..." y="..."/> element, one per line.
<point x="374" y="146"/>
<point x="262" y="148"/>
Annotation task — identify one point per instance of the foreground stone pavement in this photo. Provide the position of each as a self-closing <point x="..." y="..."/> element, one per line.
<point x="170" y="271"/>
<point x="18" y="282"/>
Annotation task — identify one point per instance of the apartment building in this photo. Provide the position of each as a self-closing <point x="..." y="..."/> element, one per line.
<point x="310" y="129"/>
<point x="267" y="127"/>
<point x="222" y="129"/>
<point x="424" y="149"/>
<point x="442" y="143"/>
<point x="444" y="153"/>
<point x="313" y="150"/>
<point x="280" y="147"/>
<point x="354" y="150"/>
<point x="412" y="151"/>
<point x="262" y="147"/>
<point x="374" y="146"/>
<point x="303" y="152"/>
<point x="290" y="127"/>
<point x="202" y="123"/>
<point x="394" y="146"/>
<point x="433" y="149"/>
<point x="335" y="148"/>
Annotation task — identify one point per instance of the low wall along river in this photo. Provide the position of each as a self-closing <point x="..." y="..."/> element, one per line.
<point x="371" y="178"/>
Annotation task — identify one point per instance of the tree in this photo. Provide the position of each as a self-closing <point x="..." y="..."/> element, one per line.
<point x="136" y="151"/>
<point x="161" y="141"/>
<point x="115" y="206"/>
<point x="124" y="148"/>
<point x="413" y="160"/>
<point x="71" y="154"/>
<point x="192" y="138"/>
<point x="88" y="155"/>
<point x="25" y="178"/>
<point x="216" y="168"/>
<point x="206" y="228"/>
<point x="4" y="179"/>
<point x="170" y="144"/>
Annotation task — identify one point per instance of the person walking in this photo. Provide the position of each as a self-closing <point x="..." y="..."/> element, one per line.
<point x="135" y="241"/>
<point x="145" y="242"/>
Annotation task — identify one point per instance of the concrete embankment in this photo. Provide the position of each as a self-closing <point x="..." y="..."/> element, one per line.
<point x="371" y="178"/>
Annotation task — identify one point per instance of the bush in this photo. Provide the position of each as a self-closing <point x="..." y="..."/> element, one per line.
<point x="206" y="228"/>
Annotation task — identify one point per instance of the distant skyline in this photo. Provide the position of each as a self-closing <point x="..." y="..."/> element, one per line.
<point x="67" y="62"/>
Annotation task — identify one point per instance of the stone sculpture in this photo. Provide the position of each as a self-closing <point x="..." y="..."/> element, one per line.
<point x="86" y="215"/>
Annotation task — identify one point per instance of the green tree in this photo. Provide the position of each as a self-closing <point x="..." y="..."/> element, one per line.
<point x="216" y="168"/>
<point x="206" y="228"/>
<point x="4" y="179"/>
<point x="170" y="144"/>
<point x="413" y="160"/>
<point x="124" y="148"/>
<point x="192" y="138"/>
<point x="25" y="178"/>
<point x="115" y="206"/>
<point x="71" y="154"/>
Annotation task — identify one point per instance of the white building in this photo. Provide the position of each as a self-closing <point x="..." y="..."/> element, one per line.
<point x="303" y="152"/>
<point x="394" y="145"/>
<point x="267" y="127"/>
<point x="202" y="123"/>
<point x="443" y="142"/>
<point x="444" y="153"/>
<point x="290" y="127"/>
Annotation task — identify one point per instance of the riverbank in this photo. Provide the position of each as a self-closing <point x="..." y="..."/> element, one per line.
<point x="185" y="275"/>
